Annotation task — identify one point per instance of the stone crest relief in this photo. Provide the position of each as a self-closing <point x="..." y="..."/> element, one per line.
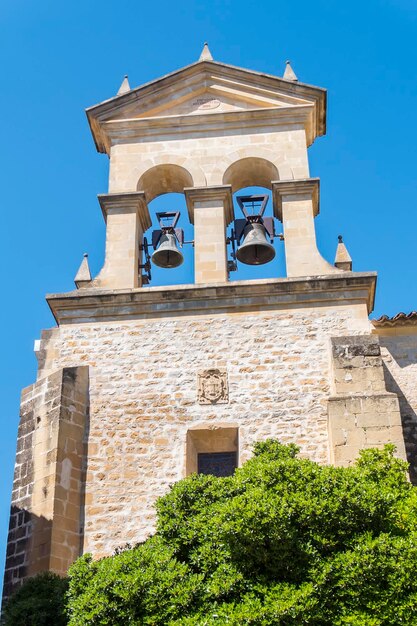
<point x="213" y="387"/>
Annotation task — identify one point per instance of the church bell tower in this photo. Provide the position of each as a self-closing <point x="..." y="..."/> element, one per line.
<point x="138" y="385"/>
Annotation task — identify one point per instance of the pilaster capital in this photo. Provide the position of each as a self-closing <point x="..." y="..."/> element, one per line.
<point x="221" y="194"/>
<point x="295" y="188"/>
<point x="128" y="202"/>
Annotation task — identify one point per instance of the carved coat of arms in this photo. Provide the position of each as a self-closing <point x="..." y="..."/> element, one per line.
<point x="213" y="387"/>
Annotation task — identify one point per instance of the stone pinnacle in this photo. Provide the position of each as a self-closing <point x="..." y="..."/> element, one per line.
<point x="83" y="276"/>
<point x="343" y="259"/>
<point x="289" y="73"/>
<point x="124" y="87"/>
<point x="205" y="53"/>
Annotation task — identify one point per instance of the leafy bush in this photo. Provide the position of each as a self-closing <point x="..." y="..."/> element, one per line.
<point x="40" y="601"/>
<point x="282" y="542"/>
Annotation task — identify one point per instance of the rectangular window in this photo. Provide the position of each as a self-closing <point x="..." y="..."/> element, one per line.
<point x="213" y="450"/>
<point x="217" y="463"/>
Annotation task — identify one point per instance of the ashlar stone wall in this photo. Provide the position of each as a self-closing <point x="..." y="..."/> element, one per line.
<point x="212" y="154"/>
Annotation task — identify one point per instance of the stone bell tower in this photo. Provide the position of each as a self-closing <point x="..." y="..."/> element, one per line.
<point x="141" y="385"/>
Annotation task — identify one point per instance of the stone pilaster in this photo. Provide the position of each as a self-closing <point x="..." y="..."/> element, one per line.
<point x="127" y="218"/>
<point x="210" y="210"/>
<point x="296" y="203"/>
<point x="45" y="529"/>
<point x="361" y="413"/>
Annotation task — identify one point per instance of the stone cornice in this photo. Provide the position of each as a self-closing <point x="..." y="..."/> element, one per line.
<point x="215" y="193"/>
<point x="294" y="188"/>
<point x="95" y="305"/>
<point x="124" y="203"/>
<point x="131" y="129"/>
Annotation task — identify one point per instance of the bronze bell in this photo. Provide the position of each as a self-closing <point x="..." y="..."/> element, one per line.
<point x="167" y="254"/>
<point x="255" y="249"/>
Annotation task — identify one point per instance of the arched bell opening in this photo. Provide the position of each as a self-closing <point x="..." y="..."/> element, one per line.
<point x="166" y="248"/>
<point x="250" y="172"/>
<point x="254" y="244"/>
<point x="163" y="179"/>
<point x="170" y="261"/>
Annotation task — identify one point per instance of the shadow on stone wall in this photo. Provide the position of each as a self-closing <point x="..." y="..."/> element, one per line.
<point x="84" y="469"/>
<point x="409" y="423"/>
<point x="23" y="526"/>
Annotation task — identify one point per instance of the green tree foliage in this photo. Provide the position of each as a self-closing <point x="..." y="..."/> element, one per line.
<point x="283" y="542"/>
<point x="40" y="601"/>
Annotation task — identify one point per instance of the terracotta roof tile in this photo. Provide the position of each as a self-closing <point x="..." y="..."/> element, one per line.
<point x="401" y="319"/>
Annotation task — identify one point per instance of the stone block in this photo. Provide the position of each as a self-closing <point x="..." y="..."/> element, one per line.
<point x="345" y="455"/>
<point x="341" y="422"/>
<point x="344" y="349"/>
<point x="356" y="438"/>
<point x="383" y="435"/>
<point x="373" y="420"/>
<point x="338" y="437"/>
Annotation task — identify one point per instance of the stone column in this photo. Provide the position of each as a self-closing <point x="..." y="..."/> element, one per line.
<point x="362" y="414"/>
<point x="127" y="218"/>
<point x="45" y="529"/>
<point x="211" y="211"/>
<point x="296" y="203"/>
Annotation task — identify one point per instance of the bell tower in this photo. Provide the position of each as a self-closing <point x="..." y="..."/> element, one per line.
<point x="207" y="131"/>
<point x="141" y="385"/>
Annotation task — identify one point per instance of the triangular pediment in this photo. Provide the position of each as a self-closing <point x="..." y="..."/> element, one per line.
<point x="218" y="98"/>
<point x="204" y="101"/>
<point x="207" y="88"/>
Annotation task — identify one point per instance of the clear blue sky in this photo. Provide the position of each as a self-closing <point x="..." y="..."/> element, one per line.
<point x="60" y="57"/>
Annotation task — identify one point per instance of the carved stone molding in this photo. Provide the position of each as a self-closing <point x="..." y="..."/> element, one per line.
<point x="92" y="305"/>
<point x="213" y="387"/>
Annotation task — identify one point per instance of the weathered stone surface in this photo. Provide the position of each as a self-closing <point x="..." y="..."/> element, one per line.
<point x="144" y="399"/>
<point x="361" y="412"/>
<point x="346" y="348"/>
<point x="399" y="351"/>
<point x="91" y="305"/>
<point x="46" y="514"/>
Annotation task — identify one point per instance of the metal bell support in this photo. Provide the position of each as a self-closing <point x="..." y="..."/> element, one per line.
<point x="254" y="231"/>
<point x="165" y="240"/>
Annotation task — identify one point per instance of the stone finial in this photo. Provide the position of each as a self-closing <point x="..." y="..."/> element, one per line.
<point x="205" y="53"/>
<point x="83" y="276"/>
<point x="289" y="73"/>
<point x="343" y="259"/>
<point x="124" y="87"/>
